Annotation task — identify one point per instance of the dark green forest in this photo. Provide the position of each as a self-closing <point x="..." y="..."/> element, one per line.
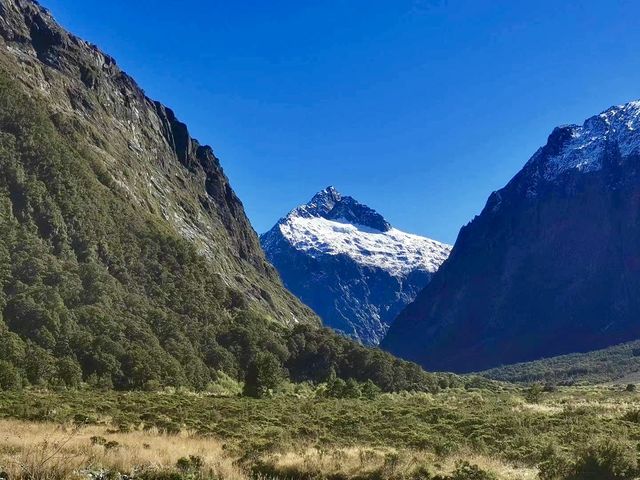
<point x="93" y="290"/>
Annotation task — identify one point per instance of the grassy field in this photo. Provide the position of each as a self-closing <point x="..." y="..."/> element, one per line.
<point x="507" y="433"/>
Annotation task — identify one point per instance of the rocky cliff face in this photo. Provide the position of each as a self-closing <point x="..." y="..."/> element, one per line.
<point x="146" y="151"/>
<point x="345" y="261"/>
<point x="550" y="266"/>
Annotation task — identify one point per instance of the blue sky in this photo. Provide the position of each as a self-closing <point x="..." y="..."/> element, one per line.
<point x="417" y="108"/>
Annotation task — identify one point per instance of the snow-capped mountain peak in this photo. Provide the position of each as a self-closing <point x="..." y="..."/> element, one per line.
<point x="321" y="203"/>
<point x="333" y="224"/>
<point x="583" y="147"/>
<point x="344" y="260"/>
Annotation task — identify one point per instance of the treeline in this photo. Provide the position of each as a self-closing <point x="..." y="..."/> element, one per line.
<point x="262" y="356"/>
<point x="95" y="291"/>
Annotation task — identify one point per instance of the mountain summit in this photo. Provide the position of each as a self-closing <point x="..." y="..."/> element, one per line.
<point x="551" y="265"/>
<point x="344" y="260"/>
<point x="330" y="204"/>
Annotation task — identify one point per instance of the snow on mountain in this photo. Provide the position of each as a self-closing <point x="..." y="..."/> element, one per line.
<point x="583" y="147"/>
<point x="349" y="264"/>
<point x="394" y="251"/>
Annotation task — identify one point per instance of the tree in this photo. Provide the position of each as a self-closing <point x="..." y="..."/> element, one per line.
<point x="370" y="390"/>
<point x="39" y="365"/>
<point x="351" y="389"/>
<point x="264" y="374"/>
<point x="9" y="378"/>
<point x="69" y="372"/>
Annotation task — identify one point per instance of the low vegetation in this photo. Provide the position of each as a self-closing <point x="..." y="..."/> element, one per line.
<point x="303" y="431"/>
<point x="620" y="364"/>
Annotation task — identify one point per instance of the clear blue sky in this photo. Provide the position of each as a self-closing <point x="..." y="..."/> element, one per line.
<point x="418" y="108"/>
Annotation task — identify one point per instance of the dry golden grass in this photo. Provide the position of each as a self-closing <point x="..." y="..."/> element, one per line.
<point x="361" y="461"/>
<point x="47" y="451"/>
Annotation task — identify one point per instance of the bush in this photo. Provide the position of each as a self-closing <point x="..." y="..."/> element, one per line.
<point x="466" y="471"/>
<point x="605" y="461"/>
<point x="191" y="465"/>
<point x="264" y="374"/>
<point x="554" y="467"/>
<point x="224" y="386"/>
<point x="534" y="393"/>
<point x="69" y="372"/>
<point x="370" y="390"/>
<point x="9" y="378"/>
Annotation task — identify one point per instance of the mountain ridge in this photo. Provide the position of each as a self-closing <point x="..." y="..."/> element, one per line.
<point x="549" y="265"/>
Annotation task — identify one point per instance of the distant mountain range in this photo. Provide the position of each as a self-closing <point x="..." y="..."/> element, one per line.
<point x="346" y="262"/>
<point x="550" y="266"/>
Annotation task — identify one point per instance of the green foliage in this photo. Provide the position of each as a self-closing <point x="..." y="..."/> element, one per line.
<point x="69" y="372"/>
<point x="595" y="367"/>
<point x="264" y="375"/>
<point x="318" y="354"/>
<point x="602" y="460"/>
<point x="608" y="460"/>
<point x="224" y="386"/>
<point x="466" y="471"/>
<point x="534" y="393"/>
<point x="9" y="378"/>
<point x="191" y="465"/>
<point x="370" y="390"/>
<point x="95" y="289"/>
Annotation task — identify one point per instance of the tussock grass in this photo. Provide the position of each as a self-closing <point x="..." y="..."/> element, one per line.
<point x="48" y="451"/>
<point x="404" y="436"/>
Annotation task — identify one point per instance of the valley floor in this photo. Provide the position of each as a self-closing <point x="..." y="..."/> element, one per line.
<point x="504" y="433"/>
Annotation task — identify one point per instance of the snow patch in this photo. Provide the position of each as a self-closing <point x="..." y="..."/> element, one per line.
<point x="394" y="251"/>
<point x="584" y="151"/>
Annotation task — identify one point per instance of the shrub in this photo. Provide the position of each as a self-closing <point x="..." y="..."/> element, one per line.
<point x="335" y="387"/>
<point x="466" y="471"/>
<point x="534" y="393"/>
<point x="192" y="464"/>
<point x="351" y="389"/>
<point x="264" y="374"/>
<point x="97" y="440"/>
<point x="370" y="390"/>
<point x="632" y="416"/>
<point x="554" y="467"/>
<point x="605" y="461"/>
<point x="224" y="386"/>
<point x="9" y="378"/>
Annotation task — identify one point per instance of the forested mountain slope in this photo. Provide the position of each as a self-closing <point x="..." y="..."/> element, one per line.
<point x="123" y="247"/>
<point x="617" y="364"/>
<point x="126" y="259"/>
